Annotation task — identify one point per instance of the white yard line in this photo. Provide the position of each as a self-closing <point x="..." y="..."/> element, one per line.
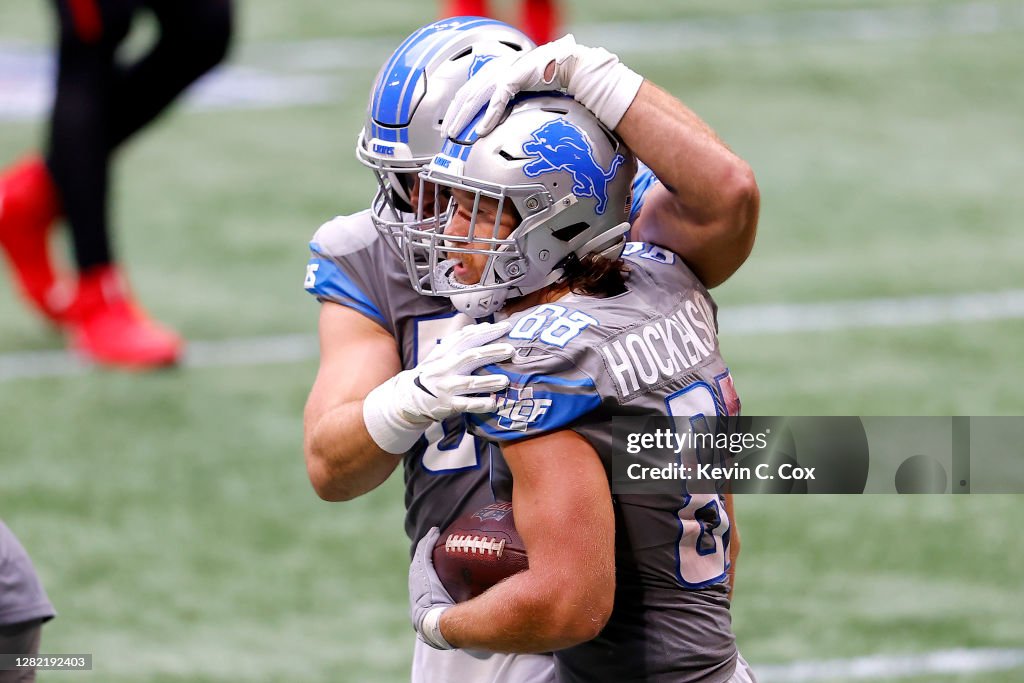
<point x="942" y="662"/>
<point x="316" y="71"/>
<point x="733" y="321"/>
<point x="844" y="315"/>
<point x="200" y="354"/>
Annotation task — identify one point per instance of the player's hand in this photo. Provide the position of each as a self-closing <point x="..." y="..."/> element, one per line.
<point x="398" y="411"/>
<point x="428" y="598"/>
<point x="592" y="75"/>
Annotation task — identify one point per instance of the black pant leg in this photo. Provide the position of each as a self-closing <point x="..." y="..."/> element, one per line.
<point x="79" y="140"/>
<point x="20" y="639"/>
<point x="194" y="37"/>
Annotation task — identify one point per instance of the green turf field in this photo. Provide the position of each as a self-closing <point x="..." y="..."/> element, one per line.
<point x="170" y="516"/>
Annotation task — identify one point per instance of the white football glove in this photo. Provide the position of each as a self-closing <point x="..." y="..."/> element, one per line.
<point x="428" y="598"/>
<point x="592" y="75"/>
<point x="398" y="411"/>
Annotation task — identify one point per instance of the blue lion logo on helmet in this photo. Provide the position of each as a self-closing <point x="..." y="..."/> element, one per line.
<point x="561" y="146"/>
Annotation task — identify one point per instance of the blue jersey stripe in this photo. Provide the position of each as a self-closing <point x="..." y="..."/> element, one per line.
<point x="333" y="284"/>
<point x="542" y="412"/>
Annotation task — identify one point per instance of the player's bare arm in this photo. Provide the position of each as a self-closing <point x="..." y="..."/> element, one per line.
<point x="382" y="408"/>
<point x="356" y="355"/>
<point x="705" y="208"/>
<point x="563" y="511"/>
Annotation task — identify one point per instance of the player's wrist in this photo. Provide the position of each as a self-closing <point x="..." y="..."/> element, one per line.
<point x="430" y="629"/>
<point x="389" y="429"/>
<point x="603" y="84"/>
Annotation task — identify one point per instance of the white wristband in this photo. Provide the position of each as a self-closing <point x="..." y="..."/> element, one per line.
<point x="388" y="429"/>
<point x="605" y="86"/>
<point x="430" y="629"/>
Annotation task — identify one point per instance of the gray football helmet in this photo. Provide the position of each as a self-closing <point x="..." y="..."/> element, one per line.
<point x="409" y="98"/>
<point x="567" y="176"/>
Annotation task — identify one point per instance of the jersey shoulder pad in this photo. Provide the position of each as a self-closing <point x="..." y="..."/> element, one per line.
<point x="344" y="235"/>
<point x="645" y="253"/>
<point x="658" y="269"/>
<point x="342" y="268"/>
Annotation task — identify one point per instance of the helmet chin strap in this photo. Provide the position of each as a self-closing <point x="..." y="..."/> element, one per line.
<point x="479" y="304"/>
<point x="608" y="244"/>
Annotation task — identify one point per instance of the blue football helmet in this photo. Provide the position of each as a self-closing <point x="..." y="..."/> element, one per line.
<point x="409" y="98"/>
<point x="568" y="179"/>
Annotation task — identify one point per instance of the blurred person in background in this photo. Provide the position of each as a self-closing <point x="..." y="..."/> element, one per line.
<point x="24" y="606"/>
<point x="539" y="19"/>
<point x="100" y="102"/>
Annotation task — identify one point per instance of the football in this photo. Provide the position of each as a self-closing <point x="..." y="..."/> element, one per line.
<point x="478" y="550"/>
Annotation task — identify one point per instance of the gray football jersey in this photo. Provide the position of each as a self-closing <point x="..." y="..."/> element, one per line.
<point x="652" y="350"/>
<point x="22" y="597"/>
<point x="447" y="473"/>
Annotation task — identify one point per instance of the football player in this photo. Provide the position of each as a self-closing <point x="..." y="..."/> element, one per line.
<point x="373" y="326"/>
<point x="387" y="391"/>
<point x="623" y="588"/>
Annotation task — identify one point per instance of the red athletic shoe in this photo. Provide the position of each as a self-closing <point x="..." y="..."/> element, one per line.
<point x="107" y="327"/>
<point x="28" y="209"/>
